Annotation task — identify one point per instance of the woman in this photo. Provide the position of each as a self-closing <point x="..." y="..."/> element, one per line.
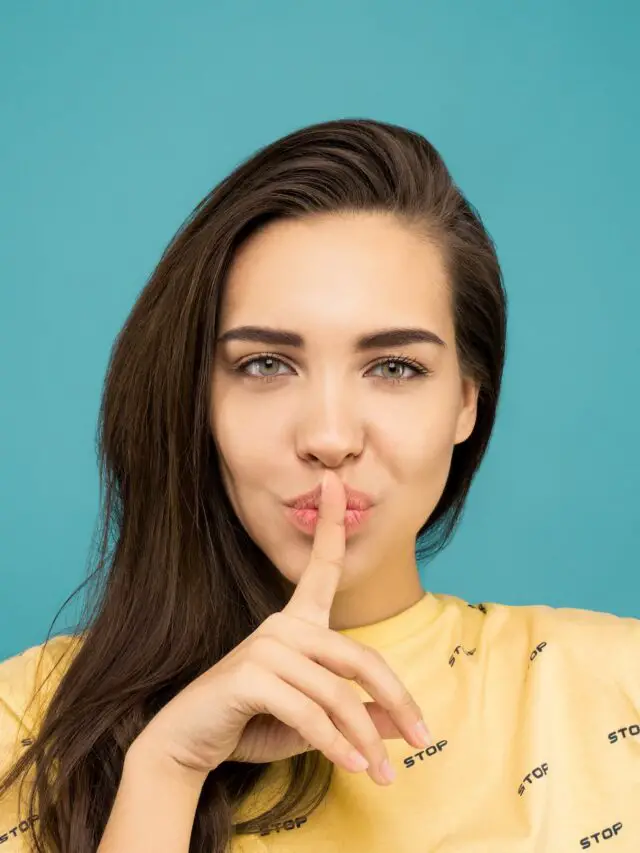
<point x="259" y="626"/>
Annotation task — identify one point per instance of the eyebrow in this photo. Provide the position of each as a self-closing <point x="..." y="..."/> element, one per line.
<point x="392" y="337"/>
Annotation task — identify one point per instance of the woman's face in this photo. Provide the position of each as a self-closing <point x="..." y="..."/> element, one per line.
<point x="283" y="412"/>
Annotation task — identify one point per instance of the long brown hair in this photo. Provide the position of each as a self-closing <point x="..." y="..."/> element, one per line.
<point x="177" y="581"/>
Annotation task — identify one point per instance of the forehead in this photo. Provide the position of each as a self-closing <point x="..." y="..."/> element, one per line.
<point x="337" y="272"/>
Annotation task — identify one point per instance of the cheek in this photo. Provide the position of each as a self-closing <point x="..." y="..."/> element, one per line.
<point x="250" y="457"/>
<point x="418" y="443"/>
<point x="417" y="454"/>
<point x="248" y="443"/>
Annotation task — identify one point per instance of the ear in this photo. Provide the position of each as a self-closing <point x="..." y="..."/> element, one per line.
<point x="469" y="410"/>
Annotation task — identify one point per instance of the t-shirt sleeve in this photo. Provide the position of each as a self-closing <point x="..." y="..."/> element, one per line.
<point x="608" y="647"/>
<point x="609" y="641"/>
<point x="24" y="693"/>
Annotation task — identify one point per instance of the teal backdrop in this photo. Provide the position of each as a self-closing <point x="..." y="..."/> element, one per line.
<point x="118" y="117"/>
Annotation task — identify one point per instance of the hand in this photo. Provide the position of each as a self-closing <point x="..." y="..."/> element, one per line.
<point x="281" y="691"/>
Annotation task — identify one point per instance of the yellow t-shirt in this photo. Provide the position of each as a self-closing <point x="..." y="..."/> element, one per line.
<point x="536" y="716"/>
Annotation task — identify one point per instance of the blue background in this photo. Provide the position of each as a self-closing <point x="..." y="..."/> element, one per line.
<point x="120" y="116"/>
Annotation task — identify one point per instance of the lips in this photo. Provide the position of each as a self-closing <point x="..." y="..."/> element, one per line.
<point x="306" y="520"/>
<point x="311" y="500"/>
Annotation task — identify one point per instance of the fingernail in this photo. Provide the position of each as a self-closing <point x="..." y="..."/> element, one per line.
<point x="387" y="772"/>
<point x="423" y="734"/>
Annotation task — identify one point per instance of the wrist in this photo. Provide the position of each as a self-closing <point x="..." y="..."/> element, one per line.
<point x="149" y="758"/>
<point x="155" y="804"/>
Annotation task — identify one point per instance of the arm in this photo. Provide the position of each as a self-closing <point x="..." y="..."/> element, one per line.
<point x="154" y="807"/>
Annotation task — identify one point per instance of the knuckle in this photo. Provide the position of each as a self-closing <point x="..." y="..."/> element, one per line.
<point x="371" y="654"/>
<point x="371" y="743"/>
<point x="352" y="715"/>
<point x="246" y="671"/>
<point x="406" y="702"/>
<point x="243" y="674"/>
<point x="309" y="715"/>
<point x="265" y="648"/>
<point x="397" y="694"/>
<point x="371" y="659"/>
<point x="337" y="743"/>
<point x="366" y="730"/>
<point x="342" y="695"/>
<point x="271" y="626"/>
<point x="401" y="701"/>
<point x="282" y="626"/>
<point x="331" y="562"/>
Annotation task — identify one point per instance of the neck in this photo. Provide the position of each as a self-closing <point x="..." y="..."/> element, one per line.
<point x="391" y="589"/>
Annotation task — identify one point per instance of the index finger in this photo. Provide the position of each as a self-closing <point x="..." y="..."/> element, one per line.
<point x="313" y="596"/>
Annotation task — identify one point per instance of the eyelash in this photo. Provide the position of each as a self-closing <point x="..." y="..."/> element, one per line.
<point x="420" y="369"/>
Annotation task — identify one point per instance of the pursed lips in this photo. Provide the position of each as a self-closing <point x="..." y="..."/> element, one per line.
<point x="311" y="500"/>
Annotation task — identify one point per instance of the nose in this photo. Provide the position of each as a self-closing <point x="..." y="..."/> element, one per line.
<point x="329" y="430"/>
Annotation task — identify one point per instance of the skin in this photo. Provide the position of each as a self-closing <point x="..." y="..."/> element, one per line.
<point x="332" y="279"/>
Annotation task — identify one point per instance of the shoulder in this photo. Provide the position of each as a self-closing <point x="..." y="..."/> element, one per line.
<point x="507" y="621"/>
<point x="567" y="625"/>
<point x="27" y="682"/>
<point x="589" y="644"/>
